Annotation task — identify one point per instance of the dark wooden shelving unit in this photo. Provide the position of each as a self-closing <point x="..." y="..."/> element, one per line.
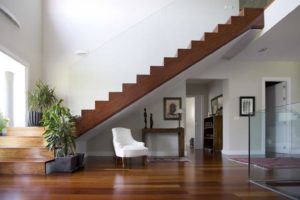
<point x="213" y="133"/>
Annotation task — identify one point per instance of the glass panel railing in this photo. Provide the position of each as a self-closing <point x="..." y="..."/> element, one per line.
<point x="275" y="147"/>
<point x="254" y="4"/>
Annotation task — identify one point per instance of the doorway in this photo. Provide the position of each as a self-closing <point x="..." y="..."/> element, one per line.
<point x="13" y="90"/>
<point x="277" y="128"/>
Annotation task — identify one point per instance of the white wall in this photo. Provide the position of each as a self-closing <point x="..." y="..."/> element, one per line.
<point x="23" y="44"/>
<point x="71" y="25"/>
<point x="245" y="79"/>
<point x="147" y="35"/>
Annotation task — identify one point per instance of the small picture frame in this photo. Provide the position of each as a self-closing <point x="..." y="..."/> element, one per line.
<point x="217" y="105"/>
<point x="171" y="104"/>
<point x="214" y="105"/>
<point x="247" y="106"/>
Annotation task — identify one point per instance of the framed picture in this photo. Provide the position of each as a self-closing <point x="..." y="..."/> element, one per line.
<point x="217" y="105"/>
<point x="214" y="105"/>
<point x="171" y="104"/>
<point x="247" y="106"/>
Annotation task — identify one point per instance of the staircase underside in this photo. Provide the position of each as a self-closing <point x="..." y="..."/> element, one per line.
<point x="249" y="18"/>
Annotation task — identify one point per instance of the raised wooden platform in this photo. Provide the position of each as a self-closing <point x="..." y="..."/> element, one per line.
<point x="23" y="151"/>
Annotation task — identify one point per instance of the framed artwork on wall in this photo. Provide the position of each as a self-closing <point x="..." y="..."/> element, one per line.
<point x="247" y="106"/>
<point x="171" y="104"/>
<point x="216" y="105"/>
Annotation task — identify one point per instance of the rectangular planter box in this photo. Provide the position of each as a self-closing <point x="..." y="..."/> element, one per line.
<point x="69" y="163"/>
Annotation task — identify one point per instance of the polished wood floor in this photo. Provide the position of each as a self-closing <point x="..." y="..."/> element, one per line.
<point x="207" y="176"/>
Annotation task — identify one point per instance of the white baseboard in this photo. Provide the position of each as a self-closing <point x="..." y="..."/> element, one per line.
<point x="162" y="153"/>
<point x="151" y="153"/>
<point x="234" y="152"/>
<point x="97" y="153"/>
<point x="242" y="152"/>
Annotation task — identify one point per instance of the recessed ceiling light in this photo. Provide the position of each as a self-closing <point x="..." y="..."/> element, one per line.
<point x="81" y="52"/>
<point x="262" y="50"/>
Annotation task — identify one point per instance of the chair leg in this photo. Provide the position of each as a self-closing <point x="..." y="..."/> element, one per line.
<point x="116" y="161"/>
<point x="123" y="162"/>
<point x="145" y="160"/>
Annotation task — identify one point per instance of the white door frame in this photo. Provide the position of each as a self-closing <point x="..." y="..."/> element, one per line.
<point x="263" y="106"/>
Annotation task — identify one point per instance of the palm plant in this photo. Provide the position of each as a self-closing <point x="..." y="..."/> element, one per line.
<point x="59" y="125"/>
<point x="42" y="97"/>
<point x="39" y="100"/>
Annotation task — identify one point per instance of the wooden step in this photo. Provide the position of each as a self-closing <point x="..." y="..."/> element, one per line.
<point x="210" y="36"/>
<point x="21" y="153"/>
<point x="115" y="95"/>
<point x="183" y="52"/>
<point x="197" y="44"/>
<point x="23" y="166"/>
<point x="128" y="86"/>
<point x="169" y="61"/>
<point x="221" y="28"/>
<point x="99" y="105"/>
<point x="21" y="141"/>
<point x="155" y="70"/>
<point x="142" y="78"/>
<point x="25" y="131"/>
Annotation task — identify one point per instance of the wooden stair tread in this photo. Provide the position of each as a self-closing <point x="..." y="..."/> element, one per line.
<point x="21" y="141"/>
<point x="212" y="41"/>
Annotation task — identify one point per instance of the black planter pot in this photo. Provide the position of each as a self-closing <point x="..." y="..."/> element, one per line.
<point x="69" y="163"/>
<point x="34" y="118"/>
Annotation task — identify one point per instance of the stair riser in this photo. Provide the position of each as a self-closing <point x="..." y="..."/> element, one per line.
<point x="156" y="70"/>
<point x="99" y="105"/>
<point x="21" y="142"/>
<point x="22" y="168"/>
<point x="115" y="95"/>
<point x="21" y="153"/>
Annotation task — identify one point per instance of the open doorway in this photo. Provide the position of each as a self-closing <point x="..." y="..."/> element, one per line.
<point x="276" y="97"/>
<point x="12" y="87"/>
<point x="200" y="93"/>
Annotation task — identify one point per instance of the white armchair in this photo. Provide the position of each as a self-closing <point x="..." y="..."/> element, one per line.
<point x="125" y="146"/>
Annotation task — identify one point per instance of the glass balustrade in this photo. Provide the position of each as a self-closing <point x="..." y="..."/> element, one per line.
<point x="274" y="149"/>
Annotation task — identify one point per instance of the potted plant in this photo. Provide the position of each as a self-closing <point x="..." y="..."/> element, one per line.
<point x="59" y="129"/>
<point x="3" y="123"/>
<point x="40" y="99"/>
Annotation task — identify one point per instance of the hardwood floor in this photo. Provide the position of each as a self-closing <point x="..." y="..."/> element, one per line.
<point x="207" y="176"/>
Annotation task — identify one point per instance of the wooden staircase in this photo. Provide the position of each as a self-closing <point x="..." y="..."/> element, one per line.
<point x="23" y="151"/>
<point x="248" y="18"/>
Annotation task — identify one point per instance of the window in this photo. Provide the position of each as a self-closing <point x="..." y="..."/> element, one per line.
<point x="12" y="88"/>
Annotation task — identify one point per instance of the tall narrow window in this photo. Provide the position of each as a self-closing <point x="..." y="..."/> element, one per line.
<point x="12" y="88"/>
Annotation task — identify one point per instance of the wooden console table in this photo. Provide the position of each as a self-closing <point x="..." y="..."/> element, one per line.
<point x="180" y="132"/>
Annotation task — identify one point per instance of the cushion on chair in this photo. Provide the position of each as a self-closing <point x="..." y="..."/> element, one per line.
<point x="133" y="151"/>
